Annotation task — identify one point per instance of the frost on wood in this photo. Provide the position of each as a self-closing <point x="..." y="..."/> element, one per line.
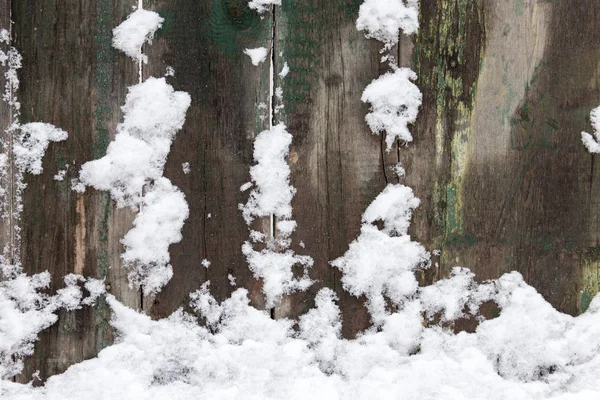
<point x="132" y="172"/>
<point x="272" y="195"/>
<point x="137" y="29"/>
<point x="31" y="144"/>
<point x="262" y="6"/>
<point x="384" y="19"/>
<point x="592" y="143"/>
<point x="380" y="263"/>
<point x="258" y="55"/>
<point x="395" y="103"/>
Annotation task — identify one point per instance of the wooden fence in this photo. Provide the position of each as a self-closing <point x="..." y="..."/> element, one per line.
<point x="497" y="159"/>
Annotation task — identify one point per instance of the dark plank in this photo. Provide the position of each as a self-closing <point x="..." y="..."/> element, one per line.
<point x="204" y="41"/>
<point x="337" y="164"/>
<point x="6" y="119"/>
<point x="72" y="78"/>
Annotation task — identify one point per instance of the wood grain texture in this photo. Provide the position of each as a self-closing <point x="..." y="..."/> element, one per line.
<point x="498" y="160"/>
<point x="6" y="120"/>
<point x="337" y="164"/>
<point x="203" y="41"/>
<point x="72" y="78"/>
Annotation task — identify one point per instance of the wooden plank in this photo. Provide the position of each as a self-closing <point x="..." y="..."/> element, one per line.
<point x="337" y="164"/>
<point x="72" y="78"/>
<point x="498" y="160"/>
<point x="6" y="119"/>
<point x="203" y="41"/>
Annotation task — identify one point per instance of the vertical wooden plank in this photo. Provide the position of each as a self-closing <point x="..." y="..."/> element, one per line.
<point x="498" y="158"/>
<point x="6" y="119"/>
<point x="203" y="41"/>
<point x="72" y="78"/>
<point x="337" y="164"/>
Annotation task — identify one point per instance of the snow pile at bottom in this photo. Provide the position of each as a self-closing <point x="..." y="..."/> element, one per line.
<point x="530" y="351"/>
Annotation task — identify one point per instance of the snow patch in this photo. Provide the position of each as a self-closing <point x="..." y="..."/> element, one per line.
<point x="258" y="55"/>
<point x="137" y="29"/>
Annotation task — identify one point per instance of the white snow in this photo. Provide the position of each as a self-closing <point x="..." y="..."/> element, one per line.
<point x="26" y="309"/>
<point x="153" y="113"/>
<point x="271" y="196"/>
<point x="132" y="172"/>
<point x="262" y="6"/>
<point x="284" y="71"/>
<point x="137" y="29"/>
<point x="395" y="103"/>
<point x="592" y="143"/>
<point x="383" y="19"/>
<point x="155" y="228"/>
<point x="185" y="167"/>
<point x="258" y="55"/>
<point x="272" y="193"/>
<point x="530" y="351"/>
<point x="31" y="144"/>
<point x="380" y="264"/>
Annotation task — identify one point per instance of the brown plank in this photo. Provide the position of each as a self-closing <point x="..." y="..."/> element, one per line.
<point x="203" y="41"/>
<point x="506" y="183"/>
<point x="337" y="164"/>
<point x="72" y="78"/>
<point x="6" y="119"/>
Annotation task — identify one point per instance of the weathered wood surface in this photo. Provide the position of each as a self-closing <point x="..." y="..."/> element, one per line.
<point x="497" y="161"/>
<point x="73" y="78"/>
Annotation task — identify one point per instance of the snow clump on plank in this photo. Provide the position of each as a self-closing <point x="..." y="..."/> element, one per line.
<point x="262" y="6"/>
<point x="30" y="146"/>
<point x="137" y="29"/>
<point x="258" y="55"/>
<point x="153" y="113"/>
<point x="592" y="143"/>
<point x="395" y="102"/>
<point x="272" y="196"/>
<point x="132" y="172"/>
<point x="26" y="309"/>
<point x="383" y="19"/>
<point x="380" y="264"/>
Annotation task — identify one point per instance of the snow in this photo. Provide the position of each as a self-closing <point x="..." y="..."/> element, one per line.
<point x="592" y="143"/>
<point x="380" y="263"/>
<point x="262" y="6"/>
<point x="271" y="197"/>
<point x="530" y="351"/>
<point x="133" y="166"/>
<point x="157" y="226"/>
<point x="185" y="167"/>
<point x="153" y="113"/>
<point x="284" y="71"/>
<point x="26" y="309"/>
<point x="30" y="146"/>
<point x="258" y="55"/>
<point x="395" y="103"/>
<point x="137" y="29"/>
<point x="383" y="19"/>
<point x="272" y="193"/>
